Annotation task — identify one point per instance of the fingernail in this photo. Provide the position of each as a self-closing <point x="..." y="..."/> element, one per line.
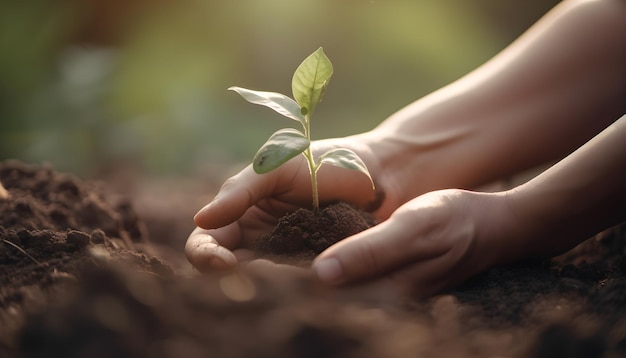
<point x="201" y="211"/>
<point x="328" y="270"/>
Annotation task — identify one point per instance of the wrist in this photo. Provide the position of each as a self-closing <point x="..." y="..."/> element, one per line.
<point x="505" y="234"/>
<point x="532" y="226"/>
<point x="399" y="167"/>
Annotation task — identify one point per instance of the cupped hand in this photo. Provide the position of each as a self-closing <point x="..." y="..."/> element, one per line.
<point x="249" y="205"/>
<point x="432" y="242"/>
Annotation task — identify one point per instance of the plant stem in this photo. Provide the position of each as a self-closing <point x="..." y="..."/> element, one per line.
<point x="313" y="171"/>
<point x="308" y="154"/>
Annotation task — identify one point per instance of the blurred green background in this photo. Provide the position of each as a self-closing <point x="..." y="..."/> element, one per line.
<point x="94" y="86"/>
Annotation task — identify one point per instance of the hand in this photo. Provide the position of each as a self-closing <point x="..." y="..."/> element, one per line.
<point x="249" y="205"/>
<point x="432" y="242"/>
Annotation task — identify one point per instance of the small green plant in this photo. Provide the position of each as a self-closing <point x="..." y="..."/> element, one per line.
<point x="308" y="85"/>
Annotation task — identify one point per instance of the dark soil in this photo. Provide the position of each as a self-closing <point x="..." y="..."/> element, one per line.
<point x="304" y="234"/>
<point x="80" y="278"/>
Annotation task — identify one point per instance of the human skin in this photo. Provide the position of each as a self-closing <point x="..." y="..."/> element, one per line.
<point x="552" y="90"/>
<point x="447" y="236"/>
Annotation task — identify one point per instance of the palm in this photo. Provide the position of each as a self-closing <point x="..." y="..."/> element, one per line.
<point x="261" y="219"/>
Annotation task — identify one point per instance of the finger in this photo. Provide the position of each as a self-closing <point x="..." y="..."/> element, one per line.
<point x="276" y="271"/>
<point x="373" y="252"/>
<point x="424" y="278"/>
<point x="244" y="255"/>
<point x="237" y="194"/>
<point x="205" y="253"/>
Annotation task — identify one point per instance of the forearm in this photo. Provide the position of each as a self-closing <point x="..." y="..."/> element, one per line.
<point x="574" y="199"/>
<point x="554" y="88"/>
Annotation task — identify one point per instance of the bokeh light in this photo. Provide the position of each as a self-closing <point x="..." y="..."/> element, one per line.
<point x="94" y="86"/>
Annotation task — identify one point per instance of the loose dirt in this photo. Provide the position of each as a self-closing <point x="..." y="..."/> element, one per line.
<point x="80" y="277"/>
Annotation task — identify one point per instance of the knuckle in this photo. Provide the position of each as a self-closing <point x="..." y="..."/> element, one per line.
<point x="229" y="183"/>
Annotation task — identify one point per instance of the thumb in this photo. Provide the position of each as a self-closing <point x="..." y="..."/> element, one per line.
<point x="234" y="198"/>
<point x="371" y="253"/>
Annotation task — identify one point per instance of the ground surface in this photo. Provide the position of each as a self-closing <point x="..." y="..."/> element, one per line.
<point x="81" y="277"/>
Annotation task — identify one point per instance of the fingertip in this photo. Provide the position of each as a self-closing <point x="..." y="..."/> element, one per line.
<point x="206" y="254"/>
<point x="200" y="219"/>
<point x="328" y="270"/>
<point x="207" y="257"/>
<point x="230" y="203"/>
<point x="220" y="212"/>
<point x="359" y="257"/>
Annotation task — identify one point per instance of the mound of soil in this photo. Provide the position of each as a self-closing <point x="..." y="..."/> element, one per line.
<point x="79" y="279"/>
<point x="300" y="236"/>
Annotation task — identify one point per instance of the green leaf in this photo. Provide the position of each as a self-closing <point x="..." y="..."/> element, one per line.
<point x="310" y="80"/>
<point x="283" y="145"/>
<point x="276" y="101"/>
<point x="345" y="158"/>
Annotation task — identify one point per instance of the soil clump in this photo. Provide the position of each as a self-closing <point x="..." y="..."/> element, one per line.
<point x="300" y="236"/>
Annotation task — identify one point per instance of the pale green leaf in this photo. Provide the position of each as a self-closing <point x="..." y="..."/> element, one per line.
<point x="310" y="80"/>
<point x="345" y="158"/>
<point x="276" y="101"/>
<point x="283" y="145"/>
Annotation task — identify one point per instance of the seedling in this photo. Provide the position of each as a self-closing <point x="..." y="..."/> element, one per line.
<point x="308" y="85"/>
